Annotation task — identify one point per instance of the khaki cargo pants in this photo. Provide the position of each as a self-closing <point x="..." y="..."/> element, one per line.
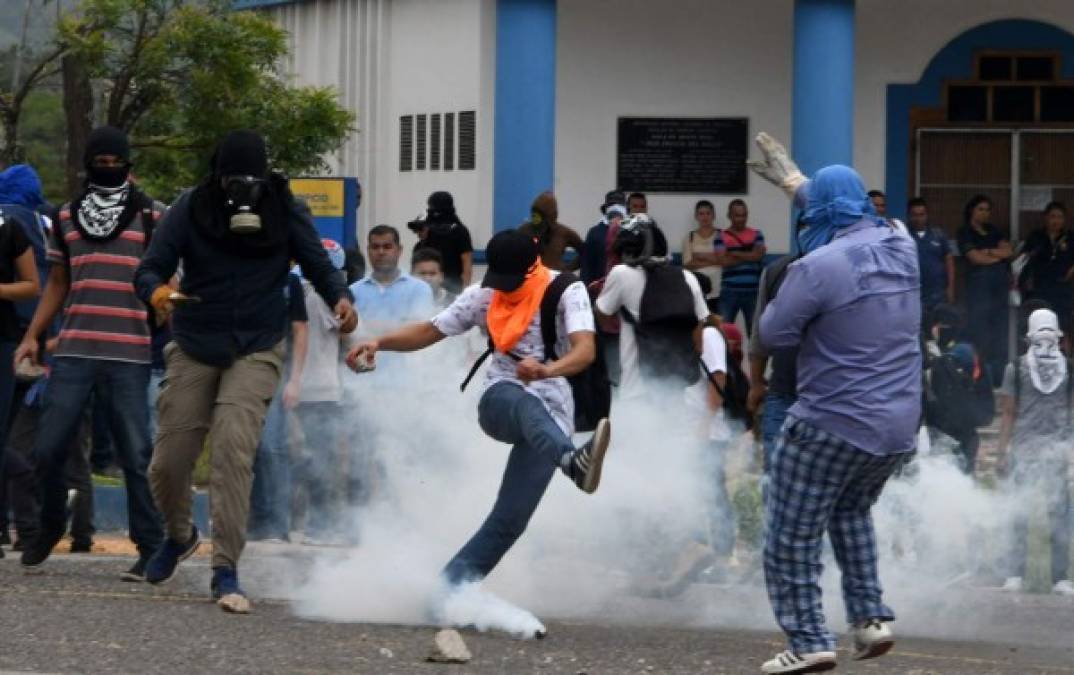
<point x="228" y="405"/>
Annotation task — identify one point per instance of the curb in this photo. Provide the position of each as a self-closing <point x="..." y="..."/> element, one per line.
<point x="110" y="509"/>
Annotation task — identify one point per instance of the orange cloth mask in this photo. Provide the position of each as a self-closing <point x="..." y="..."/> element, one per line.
<point x="510" y="313"/>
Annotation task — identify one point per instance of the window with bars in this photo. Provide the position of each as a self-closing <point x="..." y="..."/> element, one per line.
<point x="1013" y="88"/>
<point x="406" y="143"/>
<point x="435" y="141"/>
<point x="449" y="141"/>
<point x="419" y="163"/>
<point x="467" y="140"/>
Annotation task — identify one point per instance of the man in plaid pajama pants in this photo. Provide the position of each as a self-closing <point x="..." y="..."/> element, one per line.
<point x="851" y="305"/>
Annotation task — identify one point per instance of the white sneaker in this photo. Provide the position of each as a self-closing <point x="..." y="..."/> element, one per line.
<point x="789" y="662"/>
<point x="1064" y="587"/>
<point x="1012" y="585"/>
<point x="872" y="638"/>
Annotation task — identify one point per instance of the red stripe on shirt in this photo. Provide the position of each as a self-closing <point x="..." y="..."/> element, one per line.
<point x="98" y="310"/>
<point x="105" y="258"/>
<point x="73" y="235"/>
<point x="130" y="235"/>
<point x="102" y="336"/>
<point x="100" y="285"/>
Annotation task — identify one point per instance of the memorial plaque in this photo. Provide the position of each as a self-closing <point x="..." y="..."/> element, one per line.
<point x="705" y="155"/>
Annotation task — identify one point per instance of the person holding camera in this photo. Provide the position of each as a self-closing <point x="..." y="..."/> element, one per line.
<point x="442" y="230"/>
<point x="236" y="234"/>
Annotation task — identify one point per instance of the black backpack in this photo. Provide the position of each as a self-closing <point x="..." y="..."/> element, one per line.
<point x="959" y="401"/>
<point x="591" y="389"/>
<point x="737" y="390"/>
<point x="665" y="325"/>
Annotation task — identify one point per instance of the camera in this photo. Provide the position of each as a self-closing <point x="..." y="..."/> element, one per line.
<point x="417" y="224"/>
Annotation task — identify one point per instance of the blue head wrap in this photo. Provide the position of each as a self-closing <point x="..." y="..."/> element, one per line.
<point x="19" y="184"/>
<point x="835" y="199"/>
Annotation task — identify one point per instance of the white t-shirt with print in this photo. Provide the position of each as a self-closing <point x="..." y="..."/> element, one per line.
<point x="714" y="354"/>
<point x="623" y="288"/>
<point x="573" y="314"/>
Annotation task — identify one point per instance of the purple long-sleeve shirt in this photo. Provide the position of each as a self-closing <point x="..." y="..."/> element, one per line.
<point x="853" y="308"/>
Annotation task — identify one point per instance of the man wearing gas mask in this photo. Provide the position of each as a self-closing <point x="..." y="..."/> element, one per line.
<point x="97" y="241"/>
<point x="236" y="234"/>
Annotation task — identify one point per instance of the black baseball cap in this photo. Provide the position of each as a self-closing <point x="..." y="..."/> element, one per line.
<point x="510" y="256"/>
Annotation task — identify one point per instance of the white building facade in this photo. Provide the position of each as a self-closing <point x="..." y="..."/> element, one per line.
<point x="497" y="100"/>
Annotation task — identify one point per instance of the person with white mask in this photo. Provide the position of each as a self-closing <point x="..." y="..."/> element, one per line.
<point x="1035" y="446"/>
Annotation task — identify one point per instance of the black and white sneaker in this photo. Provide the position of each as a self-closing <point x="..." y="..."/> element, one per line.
<point x="585" y="463"/>
<point x="791" y="662"/>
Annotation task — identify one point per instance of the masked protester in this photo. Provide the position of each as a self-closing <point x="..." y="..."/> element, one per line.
<point x="104" y="341"/>
<point x="442" y="230"/>
<point x="1034" y="446"/>
<point x="235" y="233"/>
<point x="852" y="305"/>
<point x="554" y="237"/>
<point x="527" y="400"/>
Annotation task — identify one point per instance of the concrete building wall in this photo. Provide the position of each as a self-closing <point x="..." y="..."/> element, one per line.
<point x="389" y="59"/>
<point x="676" y="58"/>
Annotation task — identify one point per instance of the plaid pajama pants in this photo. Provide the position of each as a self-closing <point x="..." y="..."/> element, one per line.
<point x="820" y="483"/>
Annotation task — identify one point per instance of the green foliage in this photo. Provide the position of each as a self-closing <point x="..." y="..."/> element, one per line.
<point x="41" y="134"/>
<point x="179" y="74"/>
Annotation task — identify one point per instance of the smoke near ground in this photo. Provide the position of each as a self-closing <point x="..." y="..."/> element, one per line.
<point x="592" y="556"/>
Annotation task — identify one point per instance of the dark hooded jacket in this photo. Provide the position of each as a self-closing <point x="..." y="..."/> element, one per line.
<point x="554" y="237"/>
<point x="243" y="306"/>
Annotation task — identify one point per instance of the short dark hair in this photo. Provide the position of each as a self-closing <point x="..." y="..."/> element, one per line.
<point x="702" y="203"/>
<point x="637" y="195"/>
<point x="736" y="202"/>
<point x="381" y="230"/>
<point x="916" y="201"/>
<point x="427" y="254"/>
<point x="876" y="193"/>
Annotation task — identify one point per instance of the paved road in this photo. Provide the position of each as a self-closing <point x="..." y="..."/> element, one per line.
<point x="76" y="618"/>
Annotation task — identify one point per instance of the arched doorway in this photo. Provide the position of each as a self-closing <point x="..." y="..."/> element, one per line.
<point x="994" y="113"/>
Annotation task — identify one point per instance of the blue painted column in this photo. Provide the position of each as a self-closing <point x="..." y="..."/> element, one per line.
<point x="823" y="124"/>
<point x="525" y="107"/>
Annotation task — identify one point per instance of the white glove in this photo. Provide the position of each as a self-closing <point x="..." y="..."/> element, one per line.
<point x="777" y="167"/>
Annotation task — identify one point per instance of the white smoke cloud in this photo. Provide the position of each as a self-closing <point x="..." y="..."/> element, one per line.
<point x="585" y="557"/>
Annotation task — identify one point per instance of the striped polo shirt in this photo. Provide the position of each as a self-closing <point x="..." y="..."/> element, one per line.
<point x="102" y="316"/>
<point x="746" y="275"/>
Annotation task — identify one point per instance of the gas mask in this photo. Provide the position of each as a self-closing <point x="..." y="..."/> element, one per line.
<point x="243" y="193"/>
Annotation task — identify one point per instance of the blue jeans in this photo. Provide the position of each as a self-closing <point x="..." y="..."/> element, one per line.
<point x="156" y="378"/>
<point x="775" y="411"/>
<point x="510" y="414"/>
<point x="270" y="498"/>
<point x="71" y="383"/>
<point x="319" y="468"/>
<point x="7" y="392"/>
<point x="733" y="301"/>
<point x="722" y="513"/>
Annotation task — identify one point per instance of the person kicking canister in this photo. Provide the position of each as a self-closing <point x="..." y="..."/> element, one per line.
<point x="527" y="402"/>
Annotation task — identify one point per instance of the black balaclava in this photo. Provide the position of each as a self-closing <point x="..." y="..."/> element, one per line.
<point x="243" y="153"/>
<point x="105" y="208"/>
<point x="440" y="214"/>
<point x="107" y="141"/>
